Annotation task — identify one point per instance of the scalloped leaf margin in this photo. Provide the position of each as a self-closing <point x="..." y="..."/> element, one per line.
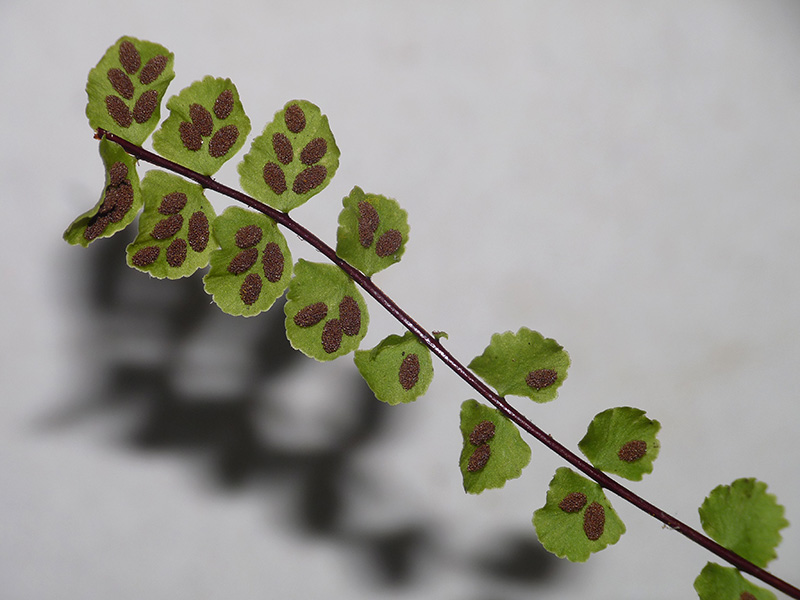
<point x="577" y="518"/>
<point x="726" y="583"/>
<point x="622" y="440"/>
<point x="126" y="87"/>
<point x="744" y="518"/>
<point x="206" y="126"/>
<point x="119" y="203"/>
<point x="523" y="364"/>
<point x="326" y="316"/>
<point x="294" y="158"/>
<point x="253" y="266"/>
<point x="493" y="450"/>
<point x="373" y="231"/>
<point x="398" y="370"/>
<point x="175" y="238"/>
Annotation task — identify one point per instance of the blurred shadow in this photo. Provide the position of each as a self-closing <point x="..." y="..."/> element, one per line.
<point x="522" y="560"/>
<point x="158" y="346"/>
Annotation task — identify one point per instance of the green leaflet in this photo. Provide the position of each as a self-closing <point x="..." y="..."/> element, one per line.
<point x="744" y="518"/>
<point x="623" y="441"/>
<point x="174" y="229"/>
<point x="493" y="450"/>
<point x="726" y="583"/>
<point x="373" y="231"/>
<point x="293" y="159"/>
<point x="326" y="316"/>
<point x="126" y="87"/>
<point x="206" y="126"/>
<point x="523" y="364"/>
<point x="119" y="203"/>
<point x="253" y="265"/>
<point x="577" y="518"/>
<point x="397" y="370"/>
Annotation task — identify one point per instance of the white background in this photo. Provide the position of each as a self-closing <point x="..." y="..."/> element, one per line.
<point x="621" y="176"/>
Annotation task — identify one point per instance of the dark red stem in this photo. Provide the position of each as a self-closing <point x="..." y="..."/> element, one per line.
<point x="468" y="376"/>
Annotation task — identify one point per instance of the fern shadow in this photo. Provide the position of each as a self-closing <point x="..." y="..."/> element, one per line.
<point x="192" y="380"/>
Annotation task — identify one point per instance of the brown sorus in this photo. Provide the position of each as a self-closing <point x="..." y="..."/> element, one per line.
<point x="311" y="314"/>
<point x="747" y="596"/>
<point x="190" y="137"/>
<point x="122" y="198"/>
<point x="117" y="173"/>
<point x="119" y="111"/>
<point x="121" y="83"/>
<point x="201" y="119"/>
<point x="199" y="232"/>
<point x="274" y="178"/>
<point x="309" y="178"/>
<point x="388" y="243"/>
<point x="115" y="194"/>
<point x="250" y="289"/>
<point x="176" y="252"/>
<point x="145" y="256"/>
<point x="350" y="315"/>
<point x="295" y="118"/>
<point x="272" y="260"/>
<point x="482" y="433"/>
<point x="243" y="261"/>
<point x="368" y="221"/>
<point x="332" y="336"/>
<point x="573" y="502"/>
<point x="408" y="375"/>
<point x="109" y="201"/>
<point x="97" y="225"/>
<point x="632" y="451"/>
<point x="594" y="521"/>
<point x="116" y="202"/>
<point x="283" y="148"/>
<point x="154" y="67"/>
<point x="223" y="140"/>
<point x="314" y="151"/>
<point x="129" y="57"/>
<point x="172" y="203"/>
<point x="248" y="236"/>
<point x="479" y="458"/>
<point x="223" y="105"/>
<point x="541" y="378"/>
<point x="168" y="227"/>
<point x="145" y="106"/>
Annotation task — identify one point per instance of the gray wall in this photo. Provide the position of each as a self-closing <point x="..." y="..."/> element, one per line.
<point x="621" y="176"/>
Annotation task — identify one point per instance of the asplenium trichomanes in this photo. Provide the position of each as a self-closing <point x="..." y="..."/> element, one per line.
<point x="250" y="267"/>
